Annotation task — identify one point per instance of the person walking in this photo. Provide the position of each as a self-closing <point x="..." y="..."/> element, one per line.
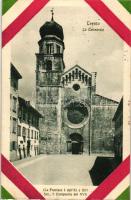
<point x="24" y="151"/>
<point x="19" y="149"/>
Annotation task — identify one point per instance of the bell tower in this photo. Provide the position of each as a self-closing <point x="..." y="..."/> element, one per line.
<point x="49" y="69"/>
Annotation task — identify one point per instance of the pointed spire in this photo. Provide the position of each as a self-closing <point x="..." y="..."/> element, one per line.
<point x="52" y="12"/>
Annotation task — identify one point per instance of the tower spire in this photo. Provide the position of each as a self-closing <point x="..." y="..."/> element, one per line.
<point x="52" y="13"/>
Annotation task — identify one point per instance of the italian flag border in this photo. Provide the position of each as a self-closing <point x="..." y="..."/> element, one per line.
<point x="12" y="26"/>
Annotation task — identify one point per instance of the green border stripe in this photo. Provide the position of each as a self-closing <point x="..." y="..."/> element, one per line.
<point x="6" y="5"/>
<point x="124" y="195"/>
<point x="126" y="4"/>
<point x="5" y="194"/>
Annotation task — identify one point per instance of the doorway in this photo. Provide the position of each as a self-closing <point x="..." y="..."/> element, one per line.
<point x="77" y="143"/>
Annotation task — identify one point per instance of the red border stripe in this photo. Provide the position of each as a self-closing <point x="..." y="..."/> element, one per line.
<point x="22" y="20"/>
<point x="111" y="181"/>
<point x="112" y="20"/>
<point x="18" y="179"/>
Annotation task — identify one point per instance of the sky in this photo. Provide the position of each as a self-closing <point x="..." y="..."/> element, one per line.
<point x="95" y="51"/>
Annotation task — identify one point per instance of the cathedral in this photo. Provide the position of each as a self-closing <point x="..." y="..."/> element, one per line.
<point x="76" y="120"/>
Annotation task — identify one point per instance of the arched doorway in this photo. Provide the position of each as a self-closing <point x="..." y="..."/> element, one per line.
<point x="76" y="143"/>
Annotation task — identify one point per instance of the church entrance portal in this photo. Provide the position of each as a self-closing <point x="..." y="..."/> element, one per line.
<point x="75" y="144"/>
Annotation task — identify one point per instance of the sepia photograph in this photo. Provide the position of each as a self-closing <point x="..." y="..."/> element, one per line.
<point x="66" y="98"/>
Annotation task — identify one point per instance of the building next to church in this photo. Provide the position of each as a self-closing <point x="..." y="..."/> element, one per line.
<point x="28" y="129"/>
<point x="14" y="79"/>
<point x="76" y="119"/>
<point x="118" y="138"/>
<point x="24" y="122"/>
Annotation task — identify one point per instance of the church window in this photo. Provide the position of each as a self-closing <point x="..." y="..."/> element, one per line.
<point x="80" y="75"/>
<point x="50" y="48"/>
<point x="49" y="65"/>
<point x="76" y="87"/>
<point x="66" y="78"/>
<point x="73" y="75"/>
<point x="77" y="113"/>
<point x="83" y="77"/>
<point x="76" y="73"/>
<point x="58" y="49"/>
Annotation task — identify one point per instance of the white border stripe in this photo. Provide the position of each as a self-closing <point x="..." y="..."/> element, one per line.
<point x="119" y="189"/>
<point x="119" y="11"/>
<point x="127" y="96"/>
<point x="14" y="12"/>
<point x="12" y="189"/>
<point x="5" y="114"/>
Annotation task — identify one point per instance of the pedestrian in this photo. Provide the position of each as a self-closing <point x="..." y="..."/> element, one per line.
<point x="24" y="151"/>
<point x="28" y="147"/>
<point x="19" y="149"/>
<point x="35" y="151"/>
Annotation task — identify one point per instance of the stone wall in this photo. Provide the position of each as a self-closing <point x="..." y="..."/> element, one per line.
<point x="102" y="127"/>
<point x="49" y="137"/>
<point x="81" y="97"/>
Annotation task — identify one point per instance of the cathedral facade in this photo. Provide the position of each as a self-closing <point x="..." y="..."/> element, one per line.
<point x="76" y="119"/>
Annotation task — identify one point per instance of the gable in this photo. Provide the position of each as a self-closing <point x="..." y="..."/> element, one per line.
<point x="76" y="73"/>
<point x="79" y="69"/>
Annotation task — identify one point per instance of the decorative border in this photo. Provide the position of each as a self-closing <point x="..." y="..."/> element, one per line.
<point x="19" y="180"/>
<point x="112" y="20"/>
<point x="111" y="181"/>
<point x="124" y="195"/>
<point x="22" y="20"/>
<point x="126" y="4"/>
<point x="99" y="193"/>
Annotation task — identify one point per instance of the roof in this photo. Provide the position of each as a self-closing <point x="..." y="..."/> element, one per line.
<point x="77" y="66"/>
<point x="14" y="72"/>
<point x="52" y="28"/>
<point x="26" y="104"/>
<point x="119" y="109"/>
<point x="107" y="98"/>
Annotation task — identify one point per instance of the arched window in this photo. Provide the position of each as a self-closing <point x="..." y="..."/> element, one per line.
<point x="50" y="48"/>
<point x="58" y="49"/>
<point x="49" y="65"/>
